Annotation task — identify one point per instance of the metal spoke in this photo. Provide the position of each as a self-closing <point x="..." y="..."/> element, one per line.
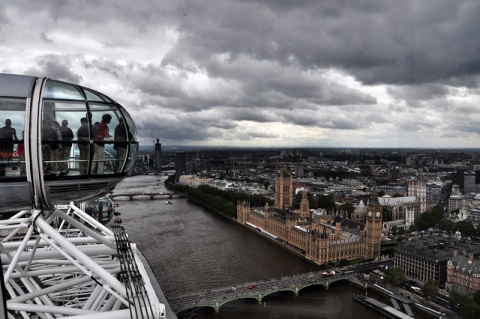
<point x="65" y="263"/>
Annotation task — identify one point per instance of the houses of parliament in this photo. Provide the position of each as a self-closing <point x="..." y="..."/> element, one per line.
<point x="322" y="239"/>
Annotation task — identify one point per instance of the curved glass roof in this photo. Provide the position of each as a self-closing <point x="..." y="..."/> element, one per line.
<point x="14" y="85"/>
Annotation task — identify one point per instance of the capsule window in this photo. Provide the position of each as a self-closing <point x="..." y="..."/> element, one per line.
<point x="132" y="140"/>
<point x="12" y="151"/>
<point x="96" y="96"/>
<point x="65" y="138"/>
<point x="61" y="90"/>
<point x="108" y="155"/>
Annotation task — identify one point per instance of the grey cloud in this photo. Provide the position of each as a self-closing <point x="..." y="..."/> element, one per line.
<point x="267" y="62"/>
<point x="57" y="67"/>
<point x="420" y="92"/>
<point x="45" y="38"/>
<point x="186" y="127"/>
<point x="105" y="66"/>
<point x="390" y="42"/>
<point x="250" y="114"/>
<point x="4" y="19"/>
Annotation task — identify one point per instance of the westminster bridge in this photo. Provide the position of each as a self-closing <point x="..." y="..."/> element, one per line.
<point x="150" y="195"/>
<point x="215" y="298"/>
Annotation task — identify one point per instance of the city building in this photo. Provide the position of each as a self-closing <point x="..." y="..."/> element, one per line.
<point x="360" y="212"/>
<point x="194" y="181"/>
<point x="425" y="258"/>
<point x="469" y="182"/>
<point x="463" y="274"/>
<point x="455" y="202"/>
<point x="320" y="238"/>
<point x="158" y="155"/>
<point x="434" y="192"/>
<point x="401" y="208"/>
<point x="419" y="190"/>
<point x="180" y="164"/>
<point x="299" y="171"/>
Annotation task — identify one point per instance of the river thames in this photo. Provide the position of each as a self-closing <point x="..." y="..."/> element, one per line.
<point x="192" y="249"/>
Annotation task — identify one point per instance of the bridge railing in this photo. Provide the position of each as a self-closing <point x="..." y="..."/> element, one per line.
<point x="214" y="298"/>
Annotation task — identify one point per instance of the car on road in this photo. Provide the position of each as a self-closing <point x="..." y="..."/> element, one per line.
<point x="251" y="287"/>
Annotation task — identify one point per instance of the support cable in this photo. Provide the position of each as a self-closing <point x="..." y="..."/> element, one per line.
<point x="131" y="277"/>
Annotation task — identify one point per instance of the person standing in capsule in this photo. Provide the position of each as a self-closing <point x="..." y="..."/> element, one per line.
<point x="102" y="133"/>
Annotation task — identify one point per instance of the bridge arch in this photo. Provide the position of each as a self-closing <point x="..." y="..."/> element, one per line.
<point x="193" y="308"/>
<point x="282" y="290"/>
<point x="216" y="302"/>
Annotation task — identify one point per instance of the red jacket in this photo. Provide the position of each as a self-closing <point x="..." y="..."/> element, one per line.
<point x="102" y="133"/>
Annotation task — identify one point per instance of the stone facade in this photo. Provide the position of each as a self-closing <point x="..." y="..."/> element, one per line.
<point x="426" y="258"/>
<point x="463" y="274"/>
<point x="321" y="240"/>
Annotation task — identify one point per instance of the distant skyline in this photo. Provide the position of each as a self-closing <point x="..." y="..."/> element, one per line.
<point x="273" y="73"/>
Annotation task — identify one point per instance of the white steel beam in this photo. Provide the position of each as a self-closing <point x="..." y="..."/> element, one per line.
<point x="65" y="263"/>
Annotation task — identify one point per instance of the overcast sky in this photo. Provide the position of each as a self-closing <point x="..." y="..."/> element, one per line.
<point x="277" y="73"/>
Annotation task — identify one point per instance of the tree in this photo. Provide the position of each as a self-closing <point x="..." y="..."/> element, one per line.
<point x="466" y="228"/>
<point x="365" y="170"/>
<point x="447" y="225"/>
<point x="394" y="229"/>
<point x="326" y="202"/>
<point x="395" y="275"/>
<point x="476" y="297"/>
<point x="430" y="289"/>
<point x="343" y="263"/>
<point x="428" y="219"/>
<point x="463" y="304"/>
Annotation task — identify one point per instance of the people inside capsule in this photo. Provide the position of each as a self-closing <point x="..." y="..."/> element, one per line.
<point x="94" y="164"/>
<point x="8" y="134"/>
<point x="101" y="134"/>
<point x="21" y="154"/>
<point x="122" y="136"/>
<point x="83" y="136"/>
<point x="67" y="137"/>
<point x="53" y="138"/>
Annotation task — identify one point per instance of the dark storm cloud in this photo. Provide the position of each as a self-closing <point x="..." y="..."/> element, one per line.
<point x="187" y="128"/>
<point x="246" y="114"/>
<point x="106" y="66"/>
<point x="269" y="84"/>
<point x="57" y="67"/>
<point x="413" y="94"/>
<point x="200" y="70"/>
<point x="378" y="42"/>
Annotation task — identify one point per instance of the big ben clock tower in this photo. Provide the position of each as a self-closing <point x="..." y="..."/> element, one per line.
<point x="373" y="229"/>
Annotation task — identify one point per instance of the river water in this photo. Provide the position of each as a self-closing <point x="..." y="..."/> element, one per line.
<point x="191" y="249"/>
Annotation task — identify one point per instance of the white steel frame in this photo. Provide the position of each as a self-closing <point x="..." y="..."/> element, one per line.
<point x="64" y="263"/>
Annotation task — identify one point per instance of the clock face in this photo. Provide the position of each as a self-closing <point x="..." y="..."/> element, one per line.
<point x="378" y="214"/>
<point x="369" y="214"/>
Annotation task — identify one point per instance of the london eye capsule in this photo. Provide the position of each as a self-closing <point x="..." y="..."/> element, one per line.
<point x="60" y="142"/>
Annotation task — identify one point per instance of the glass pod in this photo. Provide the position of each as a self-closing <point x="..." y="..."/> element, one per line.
<point x="60" y="142"/>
